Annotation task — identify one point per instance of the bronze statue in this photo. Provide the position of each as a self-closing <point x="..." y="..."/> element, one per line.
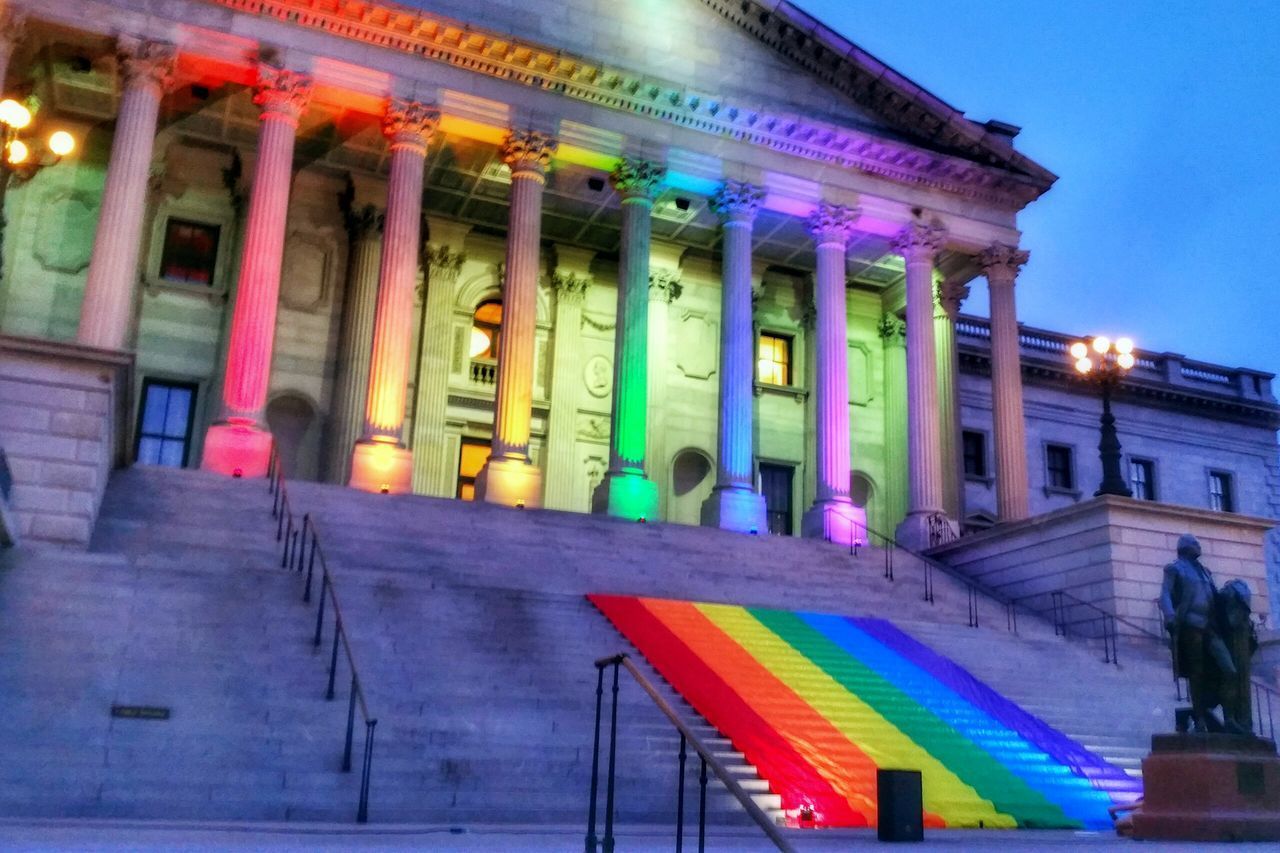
<point x="1212" y="640"/>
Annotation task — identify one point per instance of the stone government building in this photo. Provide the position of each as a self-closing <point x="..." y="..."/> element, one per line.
<point x="718" y="284"/>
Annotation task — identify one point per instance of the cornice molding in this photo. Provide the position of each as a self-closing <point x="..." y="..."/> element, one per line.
<point x="528" y="63"/>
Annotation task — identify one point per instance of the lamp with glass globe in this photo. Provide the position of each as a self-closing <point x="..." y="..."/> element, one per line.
<point x="1105" y="362"/>
<point x="21" y="158"/>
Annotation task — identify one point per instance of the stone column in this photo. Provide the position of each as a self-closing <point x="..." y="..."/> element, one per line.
<point x="433" y="464"/>
<point x="239" y="443"/>
<point x="509" y="476"/>
<point x="1001" y="264"/>
<point x="625" y="491"/>
<point x="833" y="515"/>
<point x="926" y="523"/>
<point x="364" y="237"/>
<point x="105" y="314"/>
<point x="734" y="503"/>
<point x="13" y="23"/>
<point x="380" y="462"/>
<point x="893" y="332"/>
<point x="948" y="295"/>
<point x="571" y="280"/>
<point x="664" y="289"/>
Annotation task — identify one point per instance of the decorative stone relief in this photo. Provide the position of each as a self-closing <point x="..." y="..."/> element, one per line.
<point x="859" y="374"/>
<point x="696" y="336"/>
<point x="73" y="214"/>
<point x="595" y="466"/>
<point x="593" y="427"/>
<point x="598" y="375"/>
<point x="664" y="285"/>
<point x="893" y="329"/>
<point x="308" y="262"/>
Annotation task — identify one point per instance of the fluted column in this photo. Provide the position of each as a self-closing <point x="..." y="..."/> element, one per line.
<point x="433" y="465"/>
<point x="926" y="523"/>
<point x="664" y="289"/>
<point x="948" y="296"/>
<point x="355" y="341"/>
<point x="833" y="515"/>
<point x="625" y="491"/>
<point x="12" y="29"/>
<point x="734" y="503"/>
<point x="1001" y="264"/>
<point x="380" y="462"/>
<point x="570" y="280"/>
<point x="893" y="332"/>
<point x="239" y="444"/>
<point x="509" y="476"/>
<point x="107" y="309"/>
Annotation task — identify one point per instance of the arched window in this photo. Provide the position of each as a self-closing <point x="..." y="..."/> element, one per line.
<point x="486" y="329"/>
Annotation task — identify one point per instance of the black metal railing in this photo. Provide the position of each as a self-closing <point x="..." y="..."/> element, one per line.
<point x="1265" y="698"/>
<point x="6" y="476"/>
<point x="687" y="738"/>
<point x="1064" y="604"/>
<point x="300" y="549"/>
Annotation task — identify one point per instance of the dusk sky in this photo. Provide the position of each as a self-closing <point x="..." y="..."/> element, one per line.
<point x="1161" y="119"/>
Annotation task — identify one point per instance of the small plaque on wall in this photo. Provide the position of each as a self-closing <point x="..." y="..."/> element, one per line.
<point x="140" y="712"/>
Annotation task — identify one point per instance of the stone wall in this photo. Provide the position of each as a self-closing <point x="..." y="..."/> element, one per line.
<point x="61" y="425"/>
<point x="1111" y="552"/>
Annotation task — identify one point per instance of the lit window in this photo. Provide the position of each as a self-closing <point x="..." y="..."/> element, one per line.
<point x="773" y="366"/>
<point x="975" y="453"/>
<point x="1059" y="468"/>
<point x="164" y="423"/>
<point x="190" y="252"/>
<point x="472" y="458"/>
<point x="1220" y="492"/>
<point x="1142" y="479"/>
<point x="486" y="329"/>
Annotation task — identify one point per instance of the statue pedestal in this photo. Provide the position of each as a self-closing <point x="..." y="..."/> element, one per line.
<point x="1210" y="787"/>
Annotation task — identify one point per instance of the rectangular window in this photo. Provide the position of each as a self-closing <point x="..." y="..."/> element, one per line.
<point x="165" y="420"/>
<point x="1061" y="472"/>
<point x="1142" y="479"/>
<point x="773" y="367"/>
<point x="1220" y="497"/>
<point x="472" y="458"/>
<point x="775" y="484"/>
<point x="190" y="252"/>
<point x="975" y="453"/>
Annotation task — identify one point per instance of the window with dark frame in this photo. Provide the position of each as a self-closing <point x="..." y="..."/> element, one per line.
<point x="975" y="453"/>
<point x="1059" y="468"/>
<point x="474" y="453"/>
<point x="773" y="365"/>
<point x="165" y="419"/>
<point x="1142" y="479"/>
<point x="1220" y="497"/>
<point x="190" y="253"/>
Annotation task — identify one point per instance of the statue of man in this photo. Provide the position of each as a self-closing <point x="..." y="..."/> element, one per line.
<point x="1187" y="605"/>
<point x="1232" y="653"/>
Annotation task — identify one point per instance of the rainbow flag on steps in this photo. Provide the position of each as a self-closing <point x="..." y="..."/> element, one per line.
<point x="817" y="702"/>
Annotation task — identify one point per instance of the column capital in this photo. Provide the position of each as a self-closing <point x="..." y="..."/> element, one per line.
<point x="569" y="286"/>
<point x="893" y="329"/>
<point x="281" y="92"/>
<point x="832" y="223"/>
<point x="919" y="241"/>
<point x="146" y="63"/>
<point x="443" y="262"/>
<point x="1001" y="262"/>
<point x="949" y="294"/>
<point x="364" y="221"/>
<point x="664" y="285"/>
<point x="528" y="152"/>
<point x="635" y="178"/>
<point x="736" y="201"/>
<point x="410" y="123"/>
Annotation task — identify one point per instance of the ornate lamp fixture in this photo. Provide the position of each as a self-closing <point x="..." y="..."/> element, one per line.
<point x="21" y="158"/>
<point x="1105" y="363"/>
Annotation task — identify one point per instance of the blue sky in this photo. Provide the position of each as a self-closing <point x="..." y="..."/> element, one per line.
<point x="1162" y="120"/>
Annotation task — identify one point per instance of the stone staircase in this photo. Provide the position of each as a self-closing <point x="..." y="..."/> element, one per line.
<point x="475" y="643"/>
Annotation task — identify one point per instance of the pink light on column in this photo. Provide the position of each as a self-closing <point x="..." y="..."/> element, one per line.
<point x="239" y="441"/>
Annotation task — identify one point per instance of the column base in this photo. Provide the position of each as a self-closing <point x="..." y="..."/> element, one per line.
<point x="920" y="531"/>
<point x="380" y="466"/>
<point x="735" y="508"/>
<point x="837" y="520"/>
<point x="237" y="449"/>
<point x="510" y="482"/>
<point x="626" y="494"/>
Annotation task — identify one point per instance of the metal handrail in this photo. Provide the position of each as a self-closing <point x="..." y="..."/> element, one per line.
<point x="296" y="549"/>
<point x="687" y="737"/>
<point x="1261" y="689"/>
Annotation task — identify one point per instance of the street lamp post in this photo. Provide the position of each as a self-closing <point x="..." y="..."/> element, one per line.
<point x="1114" y="360"/>
<point x="20" y="158"/>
